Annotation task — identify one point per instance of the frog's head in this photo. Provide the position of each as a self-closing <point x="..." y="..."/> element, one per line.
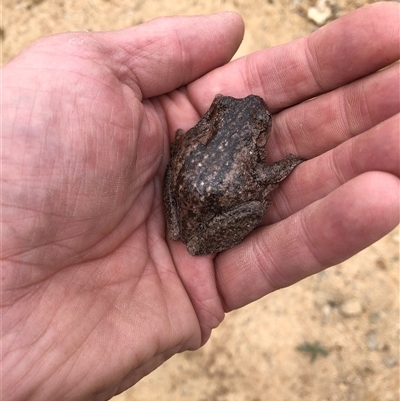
<point x="249" y="116"/>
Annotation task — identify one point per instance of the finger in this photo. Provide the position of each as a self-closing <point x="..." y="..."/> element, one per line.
<point x="316" y="126"/>
<point x="324" y="234"/>
<point x="346" y="49"/>
<point x="167" y="53"/>
<point x="375" y="150"/>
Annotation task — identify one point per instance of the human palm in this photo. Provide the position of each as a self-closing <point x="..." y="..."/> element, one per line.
<point x="94" y="296"/>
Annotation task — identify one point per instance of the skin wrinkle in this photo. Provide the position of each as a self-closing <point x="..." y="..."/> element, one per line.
<point x="195" y="277"/>
<point x="363" y="104"/>
<point x="296" y="86"/>
<point x="335" y="168"/>
<point x="292" y="84"/>
<point x="25" y="138"/>
<point x="24" y="249"/>
<point x="349" y="97"/>
<point x="64" y="244"/>
<point x="308" y="240"/>
<point x="286" y="143"/>
<point x="145" y="368"/>
<point x="351" y="163"/>
<point x="53" y="177"/>
<point x="288" y="125"/>
<point x="89" y="255"/>
<point x="147" y="141"/>
<point x="154" y="239"/>
<point x="27" y="326"/>
<point x="337" y="123"/>
<point x="215" y="320"/>
<point x="73" y="170"/>
<point x="68" y="181"/>
<point x="135" y="82"/>
<point x="94" y="247"/>
<point x="349" y="103"/>
<point x="183" y="57"/>
<point x="126" y="74"/>
<point x="197" y="107"/>
<point x="331" y="165"/>
<point x="69" y="366"/>
<point x="282" y="88"/>
<point x="18" y="296"/>
<point x="312" y="60"/>
<point x="142" y="55"/>
<point x="252" y="76"/>
<point x="143" y="173"/>
<point x="267" y="266"/>
<point x="283" y="208"/>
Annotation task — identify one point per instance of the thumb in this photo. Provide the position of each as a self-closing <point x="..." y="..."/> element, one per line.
<point x="164" y="54"/>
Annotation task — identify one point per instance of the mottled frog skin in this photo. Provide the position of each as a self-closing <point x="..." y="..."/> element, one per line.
<point x="217" y="181"/>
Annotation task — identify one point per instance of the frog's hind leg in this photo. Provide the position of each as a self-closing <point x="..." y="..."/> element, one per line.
<point x="226" y="230"/>
<point x="170" y="208"/>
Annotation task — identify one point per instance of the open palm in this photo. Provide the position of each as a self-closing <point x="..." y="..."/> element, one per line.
<point x="93" y="296"/>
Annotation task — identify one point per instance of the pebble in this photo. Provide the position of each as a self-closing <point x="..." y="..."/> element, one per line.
<point x="372" y="342"/>
<point x="351" y="308"/>
<point x="391" y="361"/>
<point x="320" y="13"/>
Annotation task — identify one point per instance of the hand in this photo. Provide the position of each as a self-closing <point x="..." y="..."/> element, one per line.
<point x="93" y="296"/>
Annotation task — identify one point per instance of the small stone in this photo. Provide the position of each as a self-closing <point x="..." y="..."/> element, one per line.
<point x="380" y="262"/>
<point x="351" y="308"/>
<point x="391" y="361"/>
<point x="327" y="310"/>
<point x="372" y="342"/>
<point x="374" y="317"/>
<point x="320" y="13"/>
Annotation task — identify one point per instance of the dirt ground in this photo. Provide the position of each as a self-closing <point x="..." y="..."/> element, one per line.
<point x="347" y="316"/>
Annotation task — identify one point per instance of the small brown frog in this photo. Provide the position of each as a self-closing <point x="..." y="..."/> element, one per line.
<point x="217" y="181"/>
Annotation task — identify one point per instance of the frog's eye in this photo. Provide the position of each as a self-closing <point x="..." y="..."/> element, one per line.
<point x="262" y="117"/>
<point x="225" y="102"/>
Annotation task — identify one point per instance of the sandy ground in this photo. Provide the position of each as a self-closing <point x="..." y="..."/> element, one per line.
<point x="348" y="315"/>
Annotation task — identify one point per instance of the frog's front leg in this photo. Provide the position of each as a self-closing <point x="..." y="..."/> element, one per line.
<point x="226" y="229"/>
<point x="276" y="172"/>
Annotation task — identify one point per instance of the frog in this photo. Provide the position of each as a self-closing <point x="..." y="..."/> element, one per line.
<point x="217" y="182"/>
